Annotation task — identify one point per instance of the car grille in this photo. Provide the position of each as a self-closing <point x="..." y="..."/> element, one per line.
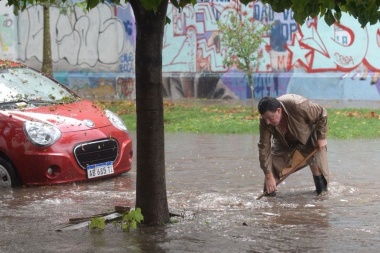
<point x="96" y="152"/>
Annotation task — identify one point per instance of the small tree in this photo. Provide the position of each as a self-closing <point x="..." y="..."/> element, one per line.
<point x="64" y="6"/>
<point x="243" y="37"/>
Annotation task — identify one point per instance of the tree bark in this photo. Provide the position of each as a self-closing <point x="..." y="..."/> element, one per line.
<point x="47" y="62"/>
<point x="252" y="88"/>
<point x="151" y="182"/>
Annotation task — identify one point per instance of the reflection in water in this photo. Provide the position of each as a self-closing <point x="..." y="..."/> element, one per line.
<point x="218" y="178"/>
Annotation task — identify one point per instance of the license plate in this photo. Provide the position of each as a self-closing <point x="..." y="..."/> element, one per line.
<point x="100" y="169"/>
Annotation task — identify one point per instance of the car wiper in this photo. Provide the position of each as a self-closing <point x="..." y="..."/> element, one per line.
<point x="17" y="104"/>
<point x="21" y="103"/>
<point x="15" y="101"/>
<point x="39" y="101"/>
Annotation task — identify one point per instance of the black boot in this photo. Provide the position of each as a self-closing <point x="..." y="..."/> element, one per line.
<point x="320" y="184"/>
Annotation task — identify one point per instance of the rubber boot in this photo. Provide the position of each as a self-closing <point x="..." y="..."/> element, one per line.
<point x="320" y="184"/>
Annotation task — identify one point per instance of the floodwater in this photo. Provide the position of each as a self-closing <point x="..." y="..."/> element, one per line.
<point x="217" y="178"/>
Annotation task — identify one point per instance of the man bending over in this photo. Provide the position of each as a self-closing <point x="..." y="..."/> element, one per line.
<point x="289" y="123"/>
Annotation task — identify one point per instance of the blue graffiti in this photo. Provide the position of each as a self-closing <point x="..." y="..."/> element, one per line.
<point x="126" y="63"/>
<point x="128" y="27"/>
<point x="287" y="14"/>
<point x="263" y="14"/>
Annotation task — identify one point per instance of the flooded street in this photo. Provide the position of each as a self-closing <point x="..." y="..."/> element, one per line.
<point x="218" y="178"/>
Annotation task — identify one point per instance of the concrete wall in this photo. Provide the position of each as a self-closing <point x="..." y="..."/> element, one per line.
<point x="94" y="53"/>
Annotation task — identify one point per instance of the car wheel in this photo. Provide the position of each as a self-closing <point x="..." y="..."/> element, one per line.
<point x="8" y="176"/>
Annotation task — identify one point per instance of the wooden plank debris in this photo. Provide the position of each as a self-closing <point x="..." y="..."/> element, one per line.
<point x="109" y="217"/>
<point x="82" y="222"/>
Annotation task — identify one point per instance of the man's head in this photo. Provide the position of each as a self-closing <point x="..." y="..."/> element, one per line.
<point x="270" y="110"/>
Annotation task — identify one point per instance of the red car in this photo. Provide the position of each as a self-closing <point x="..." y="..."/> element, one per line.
<point x="49" y="135"/>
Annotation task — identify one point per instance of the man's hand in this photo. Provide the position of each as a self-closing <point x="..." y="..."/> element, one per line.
<point x="270" y="183"/>
<point x="321" y="144"/>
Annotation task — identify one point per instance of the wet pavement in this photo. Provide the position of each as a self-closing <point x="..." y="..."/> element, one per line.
<point x="217" y="177"/>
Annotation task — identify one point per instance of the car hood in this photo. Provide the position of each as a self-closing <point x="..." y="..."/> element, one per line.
<point x="70" y="117"/>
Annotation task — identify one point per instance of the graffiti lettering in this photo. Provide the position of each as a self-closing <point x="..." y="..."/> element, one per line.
<point x="288" y="14"/>
<point x="263" y="12"/>
<point x="288" y="30"/>
<point x="126" y="63"/>
<point x="125" y="58"/>
<point x="344" y="60"/>
<point x="82" y="40"/>
<point x="126" y="68"/>
<point x="7" y="21"/>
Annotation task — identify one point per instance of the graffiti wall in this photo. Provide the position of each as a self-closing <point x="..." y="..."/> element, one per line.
<point x="7" y="33"/>
<point x="94" y="52"/>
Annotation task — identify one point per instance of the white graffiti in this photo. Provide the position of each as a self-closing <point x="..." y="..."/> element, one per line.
<point x="79" y="38"/>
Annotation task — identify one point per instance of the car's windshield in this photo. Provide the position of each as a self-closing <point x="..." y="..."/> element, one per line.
<point x="24" y="84"/>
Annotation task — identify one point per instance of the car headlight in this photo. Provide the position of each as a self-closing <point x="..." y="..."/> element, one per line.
<point x="41" y="134"/>
<point x="116" y="120"/>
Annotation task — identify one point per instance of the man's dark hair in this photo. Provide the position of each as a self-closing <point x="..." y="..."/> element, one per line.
<point x="268" y="104"/>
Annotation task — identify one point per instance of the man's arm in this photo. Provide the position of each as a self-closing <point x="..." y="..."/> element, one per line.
<point x="318" y="115"/>
<point x="264" y="146"/>
<point x="265" y="157"/>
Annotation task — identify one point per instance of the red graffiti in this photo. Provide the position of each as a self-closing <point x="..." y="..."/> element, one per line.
<point x="344" y="60"/>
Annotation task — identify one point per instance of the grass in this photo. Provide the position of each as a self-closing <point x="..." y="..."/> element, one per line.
<point x="200" y="116"/>
<point x="354" y="123"/>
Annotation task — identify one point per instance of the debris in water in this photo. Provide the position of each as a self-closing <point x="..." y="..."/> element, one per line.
<point x="271" y="214"/>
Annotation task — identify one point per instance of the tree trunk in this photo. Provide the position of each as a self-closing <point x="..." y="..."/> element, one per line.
<point x="47" y="62"/>
<point x="151" y="182"/>
<point x="252" y="88"/>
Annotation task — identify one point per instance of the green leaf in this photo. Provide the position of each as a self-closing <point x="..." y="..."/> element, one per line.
<point x="101" y="223"/>
<point x="277" y="6"/>
<point x="338" y="16"/>
<point x="131" y="219"/>
<point x="167" y="20"/>
<point x="175" y="3"/>
<point x="329" y="4"/>
<point x="329" y="18"/>
<point x="97" y="222"/>
<point x="138" y="216"/>
<point x="313" y="9"/>
<point x="92" y="4"/>
<point x="124" y="226"/>
<point x="150" y="4"/>
<point x="133" y="224"/>
<point x="300" y="5"/>
<point x="93" y="223"/>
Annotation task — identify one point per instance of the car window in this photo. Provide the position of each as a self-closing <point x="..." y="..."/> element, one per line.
<point x="24" y="84"/>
